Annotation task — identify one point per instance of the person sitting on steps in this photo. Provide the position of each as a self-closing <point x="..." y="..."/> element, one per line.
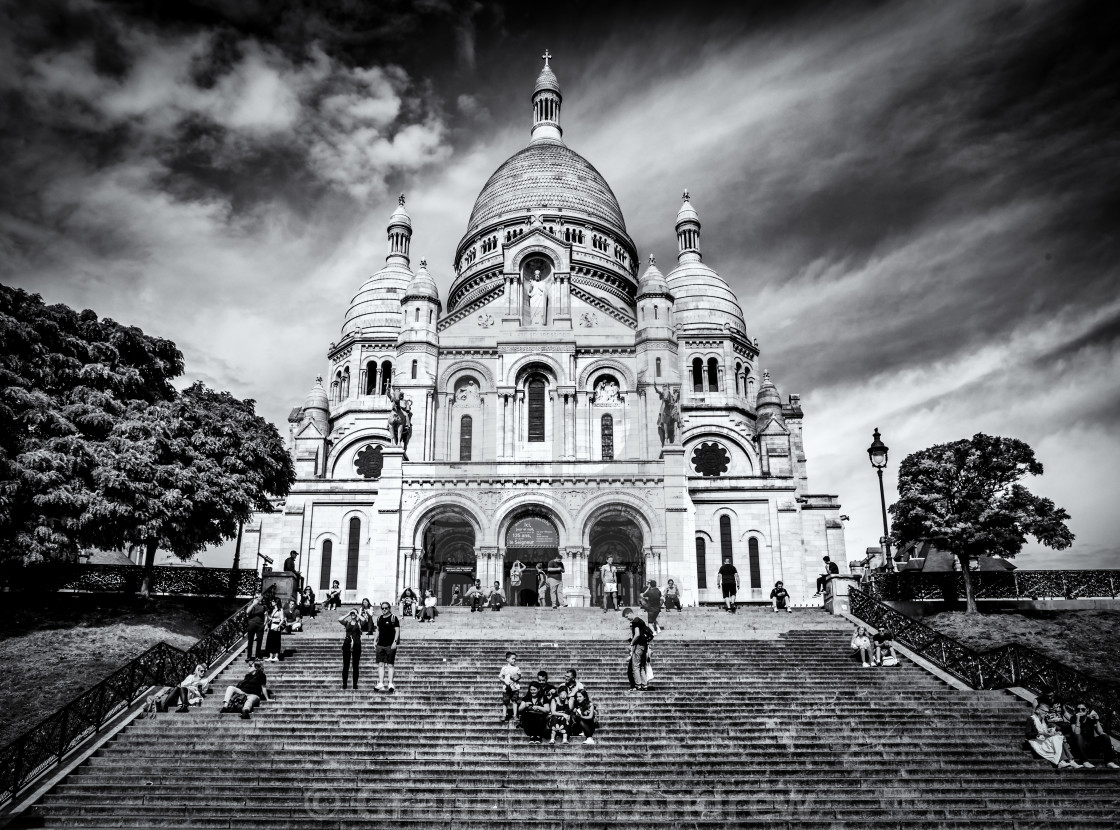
<point x="408" y="602"/>
<point x="307" y="602"/>
<point x="189" y="692"/>
<point x="293" y="619"/>
<point x="779" y="598"/>
<point x="428" y="612"/>
<point x="585" y="720"/>
<point x="672" y="596"/>
<point x="861" y="645"/>
<point x="1047" y="740"/>
<point x="560" y="717"/>
<point x="477" y="596"/>
<point x="457" y="596"/>
<point x="334" y="597"/>
<point x="1089" y="741"/>
<point x="366" y="616"/>
<point x="496" y="600"/>
<point x="883" y="643"/>
<point x="534" y="711"/>
<point x="253" y="688"/>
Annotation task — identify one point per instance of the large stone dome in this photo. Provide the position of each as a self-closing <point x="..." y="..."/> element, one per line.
<point x="546" y="175"/>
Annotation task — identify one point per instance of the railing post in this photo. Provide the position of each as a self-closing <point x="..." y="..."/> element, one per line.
<point x="62" y="734"/>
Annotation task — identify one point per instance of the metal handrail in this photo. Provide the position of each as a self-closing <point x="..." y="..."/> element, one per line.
<point x="44" y="745"/>
<point x="949" y="585"/>
<point x="997" y="668"/>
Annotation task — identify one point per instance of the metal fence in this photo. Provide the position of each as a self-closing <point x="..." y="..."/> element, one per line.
<point x="949" y="587"/>
<point x="126" y="579"/>
<point x="48" y="742"/>
<point x="997" y="668"/>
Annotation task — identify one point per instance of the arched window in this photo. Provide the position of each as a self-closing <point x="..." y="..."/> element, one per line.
<point x="431" y="313"/>
<point x="352" y="554"/>
<point x="656" y="313"/>
<point x="536" y="410"/>
<point x="756" y="566"/>
<point x="657" y="368"/>
<point x="608" y="437"/>
<point x="701" y="564"/>
<point x="466" y="437"/>
<point x="725" y="551"/>
<point x="713" y="375"/>
<point x="414" y="368"/>
<point x="738" y="369"/>
<point x="698" y="375"/>
<point x="386" y="377"/>
<point x="325" y="566"/>
<point x="345" y="389"/>
<point x="416" y="317"/>
<point x="371" y="378"/>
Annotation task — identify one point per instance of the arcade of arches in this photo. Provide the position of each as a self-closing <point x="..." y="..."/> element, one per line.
<point x="449" y="556"/>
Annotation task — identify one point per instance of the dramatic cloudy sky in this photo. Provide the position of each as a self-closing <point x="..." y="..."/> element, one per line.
<point x="917" y="203"/>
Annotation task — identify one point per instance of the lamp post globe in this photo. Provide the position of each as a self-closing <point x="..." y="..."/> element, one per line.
<point x="877" y="452"/>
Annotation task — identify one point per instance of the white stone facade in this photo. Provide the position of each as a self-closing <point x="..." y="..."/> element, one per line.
<point x="534" y="400"/>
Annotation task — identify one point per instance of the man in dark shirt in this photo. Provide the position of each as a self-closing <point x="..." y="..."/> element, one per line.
<point x="779" y="597"/>
<point x="830" y="568"/>
<point x="640" y="637"/>
<point x="290" y="562"/>
<point x="254" y="686"/>
<point x="556" y="581"/>
<point x="388" y="637"/>
<point x="254" y="627"/>
<point x="727" y="578"/>
<point x="651" y="604"/>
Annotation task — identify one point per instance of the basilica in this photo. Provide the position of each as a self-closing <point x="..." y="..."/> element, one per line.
<point x="564" y="399"/>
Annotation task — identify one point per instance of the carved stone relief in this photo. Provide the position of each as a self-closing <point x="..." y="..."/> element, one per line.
<point x="589" y="319"/>
<point x="606" y="393"/>
<point x="485" y="321"/>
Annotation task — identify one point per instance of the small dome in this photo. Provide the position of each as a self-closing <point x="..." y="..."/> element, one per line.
<point x="423" y="285"/>
<point x="653" y="281"/>
<point x="400" y="215"/>
<point x="768" y="395"/>
<point x="687" y="213"/>
<point x="547" y="79"/>
<point x="702" y="299"/>
<point x="317" y="397"/>
<point x="377" y="305"/>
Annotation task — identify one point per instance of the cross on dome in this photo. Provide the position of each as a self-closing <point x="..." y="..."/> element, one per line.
<point x="685" y="196"/>
<point x="547" y="57"/>
<point x="400" y="201"/>
<point x="652" y="259"/>
<point x="424" y="263"/>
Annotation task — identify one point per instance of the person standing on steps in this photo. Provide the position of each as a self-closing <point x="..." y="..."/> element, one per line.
<point x="779" y="598"/>
<point x="351" y="645"/>
<point x="556" y="581"/>
<point x="651" y="604"/>
<point x="727" y="578"/>
<point x="510" y="676"/>
<point x="542" y="586"/>
<point x="610" y="585"/>
<point x="640" y="638"/>
<point x="273" y="644"/>
<point x="388" y="638"/>
<point x="254" y="627"/>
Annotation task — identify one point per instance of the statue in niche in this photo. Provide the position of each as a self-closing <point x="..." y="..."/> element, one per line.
<point x="669" y="417"/>
<point x="537" y="279"/>
<point x="467" y="393"/>
<point x="400" y="422"/>
<point x="606" y="393"/>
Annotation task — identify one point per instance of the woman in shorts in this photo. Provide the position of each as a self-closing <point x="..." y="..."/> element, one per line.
<point x="585" y="718"/>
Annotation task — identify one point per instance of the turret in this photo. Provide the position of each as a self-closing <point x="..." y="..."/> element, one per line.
<point x="400" y="234"/>
<point x="688" y="232"/>
<point x="546" y="104"/>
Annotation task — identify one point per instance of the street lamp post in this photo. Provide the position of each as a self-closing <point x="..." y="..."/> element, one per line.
<point x="877" y="452"/>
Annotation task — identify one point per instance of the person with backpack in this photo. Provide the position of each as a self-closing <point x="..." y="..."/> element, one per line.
<point x="640" y="637"/>
<point x="388" y="638"/>
<point x="542" y="586"/>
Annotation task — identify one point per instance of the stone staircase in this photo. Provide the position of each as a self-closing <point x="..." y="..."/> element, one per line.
<point x="753" y="720"/>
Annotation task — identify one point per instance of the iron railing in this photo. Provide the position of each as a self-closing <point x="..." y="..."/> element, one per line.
<point x="126" y="579"/>
<point x="47" y="743"/>
<point x="997" y="668"/>
<point x="949" y="586"/>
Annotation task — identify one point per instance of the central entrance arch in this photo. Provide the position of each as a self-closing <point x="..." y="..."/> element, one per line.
<point x="531" y="538"/>
<point x="449" y="559"/>
<point x="615" y="534"/>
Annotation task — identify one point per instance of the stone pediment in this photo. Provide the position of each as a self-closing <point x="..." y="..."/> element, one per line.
<point x="310" y="430"/>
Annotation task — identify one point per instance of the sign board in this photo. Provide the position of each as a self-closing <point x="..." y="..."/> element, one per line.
<point x="532" y="532"/>
<point x="458" y="569"/>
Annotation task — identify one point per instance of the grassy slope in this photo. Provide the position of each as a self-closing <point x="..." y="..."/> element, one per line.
<point x="55" y="647"/>
<point x="1085" y="640"/>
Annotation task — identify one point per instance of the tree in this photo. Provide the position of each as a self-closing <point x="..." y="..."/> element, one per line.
<point x="966" y="498"/>
<point x="66" y="378"/>
<point x="184" y="474"/>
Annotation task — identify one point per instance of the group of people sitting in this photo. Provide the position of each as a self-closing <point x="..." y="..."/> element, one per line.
<point x="1070" y="736"/>
<point x="544" y="710"/>
<point x="478" y="598"/>
<point x="874" y="649"/>
<point x="423" y="609"/>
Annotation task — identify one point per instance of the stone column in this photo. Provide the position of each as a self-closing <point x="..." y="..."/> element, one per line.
<point x="680" y="522"/>
<point x="575" y="582"/>
<point x="377" y="567"/>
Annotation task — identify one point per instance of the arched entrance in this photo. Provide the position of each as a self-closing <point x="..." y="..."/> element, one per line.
<point x="530" y="538"/>
<point x="448" y="556"/>
<point x="617" y="535"/>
